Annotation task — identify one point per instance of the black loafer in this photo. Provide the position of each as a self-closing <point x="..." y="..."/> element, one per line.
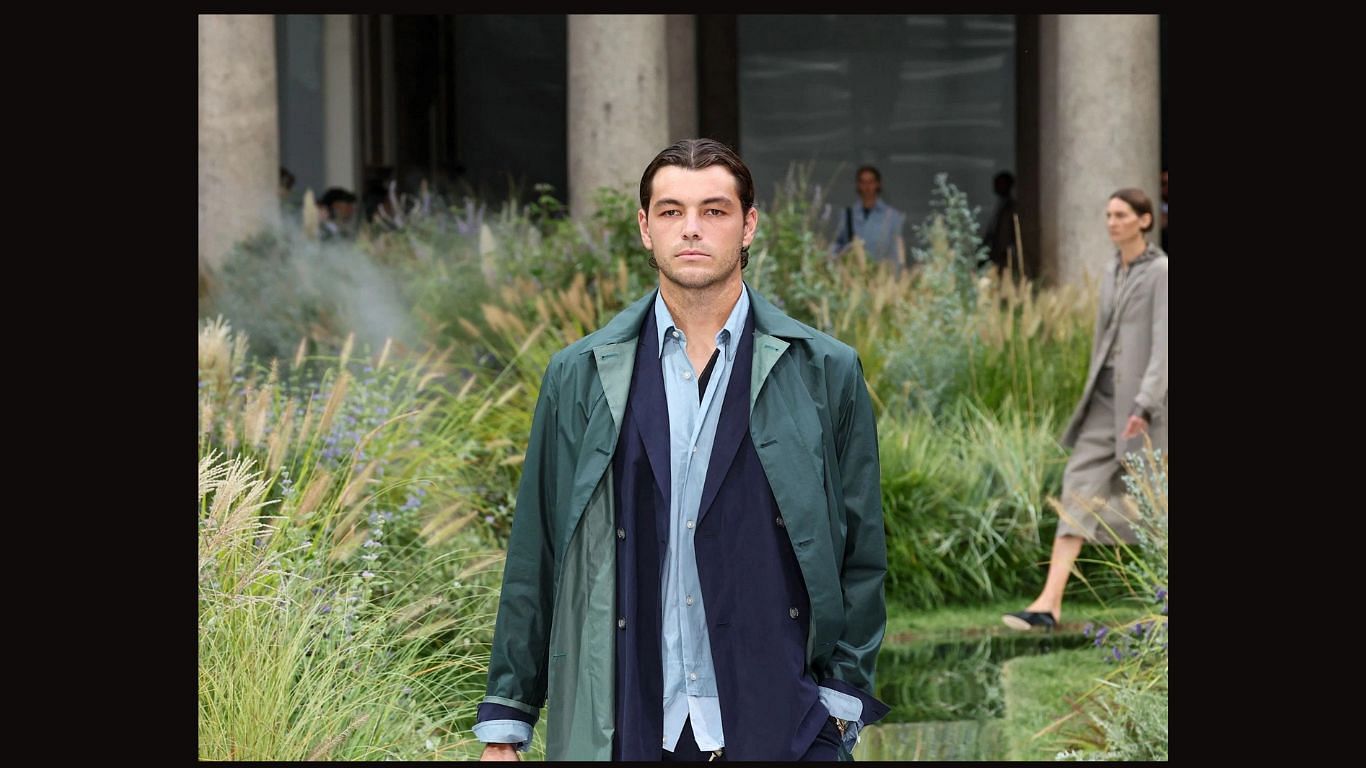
<point x="1027" y="620"/>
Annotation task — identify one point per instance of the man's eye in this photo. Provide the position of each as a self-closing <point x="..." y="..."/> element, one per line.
<point x="717" y="211"/>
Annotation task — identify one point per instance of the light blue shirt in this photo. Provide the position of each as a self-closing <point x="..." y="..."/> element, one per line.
<point x="879" y="230"/>
<point x="685" y="646"/>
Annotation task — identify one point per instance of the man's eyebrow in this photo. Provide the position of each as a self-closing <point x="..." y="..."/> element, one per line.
<point x="709" y="201"/>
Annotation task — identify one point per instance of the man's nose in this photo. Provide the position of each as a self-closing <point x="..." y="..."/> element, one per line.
<point x="692" y="228"/>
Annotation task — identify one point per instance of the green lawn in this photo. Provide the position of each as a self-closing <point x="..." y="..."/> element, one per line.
<point x="1038" y="691"/>
<point x="907" y="625"/>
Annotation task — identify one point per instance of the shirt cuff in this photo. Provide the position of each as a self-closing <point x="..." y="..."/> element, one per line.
<point x="841" y="705"/>
<point x="845" y="707"/>
<point x="505" y="732"/>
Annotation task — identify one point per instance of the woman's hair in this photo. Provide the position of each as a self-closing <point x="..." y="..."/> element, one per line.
<point x="1139" y="201"/>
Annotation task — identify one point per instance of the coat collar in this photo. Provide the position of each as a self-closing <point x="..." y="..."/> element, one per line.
<point x="615" y="347"/>
<point x="768" y="319"/>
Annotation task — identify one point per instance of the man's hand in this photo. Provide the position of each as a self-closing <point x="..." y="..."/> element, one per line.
<point x="1135" y="426"/>
<point x="500" y="752"/>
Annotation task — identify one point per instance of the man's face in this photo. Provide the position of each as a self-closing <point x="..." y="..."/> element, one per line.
<point x="696" y="226"/>
<point x="342" y="211"/>
<point x="868" y="185"/>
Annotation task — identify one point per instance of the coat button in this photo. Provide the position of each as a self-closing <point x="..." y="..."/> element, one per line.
<point x="621" y="533"/>
<point x="793" y="612"/>
<point x="780" y="522"/>
<point x="621" y="623"/>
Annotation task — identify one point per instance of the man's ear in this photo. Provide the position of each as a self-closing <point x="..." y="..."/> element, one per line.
<point x="644" y="221"/>
<point x="751" y="226"/>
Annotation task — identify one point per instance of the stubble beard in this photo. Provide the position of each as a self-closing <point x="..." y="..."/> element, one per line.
<point x="698" y="279"/>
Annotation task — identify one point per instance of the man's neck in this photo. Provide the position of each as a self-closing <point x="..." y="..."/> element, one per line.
<point x="701" y="313"/>
<point x="870" y="204"/>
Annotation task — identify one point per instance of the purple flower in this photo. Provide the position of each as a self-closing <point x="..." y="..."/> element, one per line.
<point x="325" y="609"/>
<point x="1161" y="593"/>
<point x="1118" y="655"/>
<point x="1101" y="633"/>
<point x="488" y="519"/>
<point x="1138" y="629"/>
<point x="1086" y="630"/>
<point x="1164" y="609"/>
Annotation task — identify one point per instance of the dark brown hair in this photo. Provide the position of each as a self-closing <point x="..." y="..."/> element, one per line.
<point x="1139" y="201"/>
<point x="694" y="155"/>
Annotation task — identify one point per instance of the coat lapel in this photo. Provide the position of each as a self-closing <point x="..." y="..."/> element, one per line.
<point x="1135" y="274"/>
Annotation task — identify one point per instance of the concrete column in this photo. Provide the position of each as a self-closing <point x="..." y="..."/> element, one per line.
<point x="682" y="94"/>
<point x="618" y="106"/>
<point x="239" y="140"/>
<point x="238" y="131"/>
<point x="1100" y="130"/>
<point x="341" y="140"/>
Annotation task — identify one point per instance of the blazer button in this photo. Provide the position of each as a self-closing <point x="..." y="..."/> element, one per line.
<point x="621" y="534"/>
<point x="621" y="623"/>
<point x="793" y="612"/>
<point x="780" y="522"/>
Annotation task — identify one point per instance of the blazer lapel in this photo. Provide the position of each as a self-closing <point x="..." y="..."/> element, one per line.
<point x="650" y="406"/>
<point x="734" y="420"/>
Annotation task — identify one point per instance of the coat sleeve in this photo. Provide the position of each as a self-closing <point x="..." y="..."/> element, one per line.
<point x="519" y="656"/>
<point x="1152" y="391"/>
<point x="854" y="661"/>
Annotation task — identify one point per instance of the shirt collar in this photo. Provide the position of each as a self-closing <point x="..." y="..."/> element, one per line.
<point x="1150" y="252"/>
<point x="735" y="323"/>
